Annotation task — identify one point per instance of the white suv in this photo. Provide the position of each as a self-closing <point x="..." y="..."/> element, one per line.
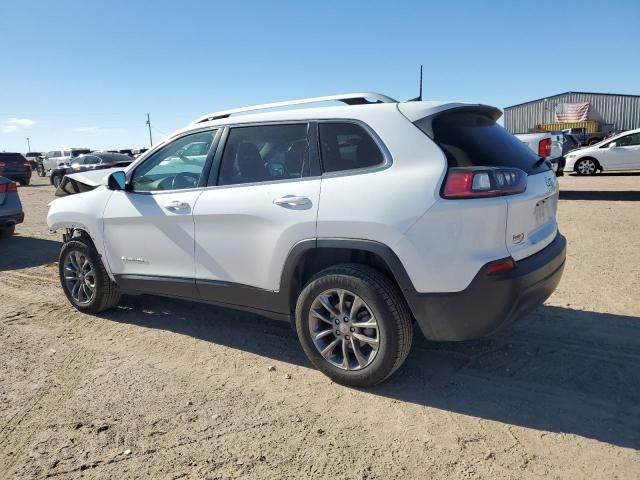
<point x="352" y="221"/>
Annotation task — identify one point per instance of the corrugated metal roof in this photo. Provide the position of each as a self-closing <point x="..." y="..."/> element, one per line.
<point x="569" y="93"/>
<point x="622" y="112"/>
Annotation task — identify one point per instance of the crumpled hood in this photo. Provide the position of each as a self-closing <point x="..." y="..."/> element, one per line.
<point x="84" y="181"/>
<point x="93" y="178"/>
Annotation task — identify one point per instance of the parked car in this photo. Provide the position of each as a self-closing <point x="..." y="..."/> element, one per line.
<point x="585" y="137"/>
<point x="15" y="167"/>
<point x="90" y="161"/>
<point x="139" y="151"/>
<point x="620" y="152"/>
<point x="548" y="146"/>
<point x="34" y="159"/>
<point x="569" y="144"/>
<point x="350" y="221"/>
<point x="56" y="158"/>
<point x="10" y="208"/>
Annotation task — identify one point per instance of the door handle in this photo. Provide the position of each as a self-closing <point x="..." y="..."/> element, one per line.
<point x="291" y="201"/>
<point x="176" y="205"/>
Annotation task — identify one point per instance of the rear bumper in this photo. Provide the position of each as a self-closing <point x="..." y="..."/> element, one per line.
<point x="16" y="175"/>
<point x="490" y="301"/>
<point x="14" y="218"/>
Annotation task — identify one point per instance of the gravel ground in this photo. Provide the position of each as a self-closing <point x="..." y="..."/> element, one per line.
<point x="166" y="389"/>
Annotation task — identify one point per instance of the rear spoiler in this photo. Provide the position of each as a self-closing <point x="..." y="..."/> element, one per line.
<point x="426" y="120"/>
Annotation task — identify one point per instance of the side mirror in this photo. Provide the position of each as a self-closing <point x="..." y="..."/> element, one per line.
<point x="117" y="181"/>
<point x="613" y="144"/>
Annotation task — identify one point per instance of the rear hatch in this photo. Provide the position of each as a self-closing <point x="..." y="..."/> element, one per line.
<point x="13" y="164"/>
<point x="470" y="137"/>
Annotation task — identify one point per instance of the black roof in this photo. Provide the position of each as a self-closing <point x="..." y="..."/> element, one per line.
<point x="11" y="156"/>
<point x="569" y="93"/>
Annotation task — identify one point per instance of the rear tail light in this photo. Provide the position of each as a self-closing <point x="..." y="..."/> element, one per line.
<point x="3" y="164"/>
<point x="8" y="187"/>
<point x="27" y="164"/>
<point x="480" y="182"/>
<point x="544" y="147"/>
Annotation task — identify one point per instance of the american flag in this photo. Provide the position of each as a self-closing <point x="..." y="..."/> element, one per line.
<point x="572" y="112"/>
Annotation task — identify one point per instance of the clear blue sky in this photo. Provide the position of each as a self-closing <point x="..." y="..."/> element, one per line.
<point x="85" y="73"/>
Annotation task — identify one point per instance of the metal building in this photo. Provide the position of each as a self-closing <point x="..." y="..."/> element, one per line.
<point x="606" y="112"/>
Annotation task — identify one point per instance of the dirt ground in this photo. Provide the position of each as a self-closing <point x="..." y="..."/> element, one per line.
<point x="166" y="389"/>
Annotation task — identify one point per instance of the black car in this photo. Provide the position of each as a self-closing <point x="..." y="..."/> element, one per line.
<point x="90" y="161"/>
<point x="15" y="167"/>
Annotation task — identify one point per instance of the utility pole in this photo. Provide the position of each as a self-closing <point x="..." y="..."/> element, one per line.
<point x="28" y="145"/>
<point x="150" y="138"/>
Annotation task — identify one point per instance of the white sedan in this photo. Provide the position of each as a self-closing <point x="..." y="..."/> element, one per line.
<point x="621" y="152"/>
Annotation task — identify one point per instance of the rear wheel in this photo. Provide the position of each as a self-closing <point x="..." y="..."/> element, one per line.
<point x="586" y="166"/>
<point x="354" y="325"/>
<point x="6" y="232"/>
<point x="25" y="182"/>
<point x="84" y="279"/>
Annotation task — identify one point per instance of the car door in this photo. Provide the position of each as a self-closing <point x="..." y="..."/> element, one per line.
<point x="262" y="201"/>
<point x="149" y="229"/>
<point x="625" y="155"/>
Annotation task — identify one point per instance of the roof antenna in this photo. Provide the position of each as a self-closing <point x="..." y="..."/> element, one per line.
<point x="419" y="97"/>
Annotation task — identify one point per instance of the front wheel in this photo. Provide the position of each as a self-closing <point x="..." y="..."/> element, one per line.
<point x="84" y="279"/>
<point x="56" y="180"/>
<point x="354" y="325"/>
<point x="586" y="166"/>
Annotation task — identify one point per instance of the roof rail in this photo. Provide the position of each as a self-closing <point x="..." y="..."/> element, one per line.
<point x="348" y="98"/>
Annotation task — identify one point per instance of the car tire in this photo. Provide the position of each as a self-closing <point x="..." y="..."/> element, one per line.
<point x="56" y="180"/>
<point x="586" y="166"/>
<point x="92" y="291"/>
<point x="24" y="183"/>
<point x="372" y="354"/>
<point x="6" y="232"/>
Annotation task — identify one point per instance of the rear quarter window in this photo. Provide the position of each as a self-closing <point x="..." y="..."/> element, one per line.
<point x="347" y="146"/>
<point x="471" y="137"/>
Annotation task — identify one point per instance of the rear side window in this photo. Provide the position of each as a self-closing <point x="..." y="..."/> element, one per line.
<point x="347" y="146"/>
<point x="472" y="138"/>
<point x="264" y="153"/>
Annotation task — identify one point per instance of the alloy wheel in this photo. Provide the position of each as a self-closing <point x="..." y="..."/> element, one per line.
<point x="586" y="167"/>
<point x="79" y="277"/>
<point x="344" y="329"/>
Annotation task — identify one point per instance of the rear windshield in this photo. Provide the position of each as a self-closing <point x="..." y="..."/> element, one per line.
<point x="471" y="137"/>
<point x="77" y="152"/>
<point x="12" y="157"/>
